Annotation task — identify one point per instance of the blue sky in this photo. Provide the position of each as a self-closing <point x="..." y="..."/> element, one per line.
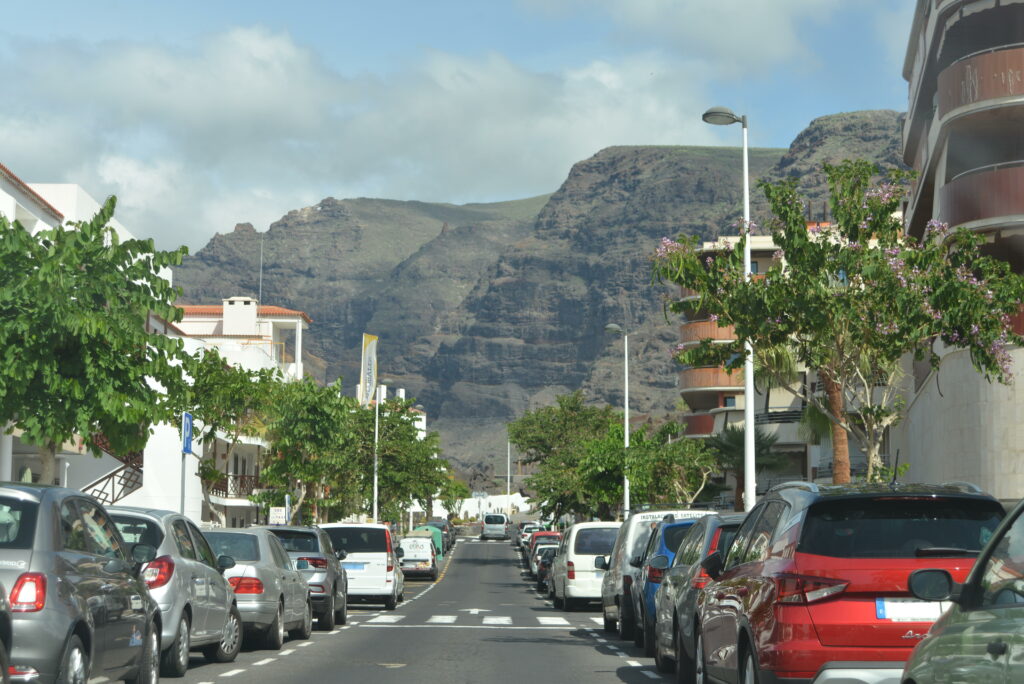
<point x="199" y="115"/>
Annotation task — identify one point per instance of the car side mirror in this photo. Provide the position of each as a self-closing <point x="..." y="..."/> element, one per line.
<point x="601" y="563"/>
<point x="116" y="566"/>
<point x="143" y="553"/>
<point x="659" y="562"/>
<point x="343" y="554"/>
<point x="225" y="562"/>
<point x="302" y="564"/>
<point x="635" y="561"/>
<point x="400" y="552"/>
<point x="934" y="585"/>
<point x="712" y="564"/>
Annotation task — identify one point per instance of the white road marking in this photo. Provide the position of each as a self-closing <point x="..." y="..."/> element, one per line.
<point x="386" y="619"/>
<point x="651" y="675"/>
<point x="553" y="621"/>
<point x="335" y="631"/>
<point x="265" y="661"/>
<point x="634" y="663"/>
<point x="497" y="620"/>
<point x="602" y="641"/>
<point x="287" y="651"/>
<point x="442" y="619"/>
<point x="436" y="626"/>
<point x="597" y="620"/>
<point x="231" y="673"/>
<point x="305" y="643"/>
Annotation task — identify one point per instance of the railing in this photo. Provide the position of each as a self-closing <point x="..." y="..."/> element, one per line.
<point x="988" y="193"/>
<point x="778" y="417"/>
<point x="236" y="486"/>
<point x="115" y="485"/>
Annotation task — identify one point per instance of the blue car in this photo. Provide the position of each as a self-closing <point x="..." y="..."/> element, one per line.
<point x="655" y="560"/>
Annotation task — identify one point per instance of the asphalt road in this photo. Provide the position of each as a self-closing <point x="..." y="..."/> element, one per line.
<point x="480" y="622"/>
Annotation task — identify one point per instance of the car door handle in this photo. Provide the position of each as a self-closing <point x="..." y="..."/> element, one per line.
<point x="108" y="588"/>
<point x="996" y="648"/>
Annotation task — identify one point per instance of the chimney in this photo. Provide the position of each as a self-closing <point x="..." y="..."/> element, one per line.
<point x="240" y="315"/>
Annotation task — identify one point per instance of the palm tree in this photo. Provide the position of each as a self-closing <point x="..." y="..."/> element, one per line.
<point x="728" y="445"/>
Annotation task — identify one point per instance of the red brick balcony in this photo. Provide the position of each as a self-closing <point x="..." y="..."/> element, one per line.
<point x="695" y="331"/>
<point x="699" y="424"/>
<point x="984" y="194"/>
<point x="693" y="379"/>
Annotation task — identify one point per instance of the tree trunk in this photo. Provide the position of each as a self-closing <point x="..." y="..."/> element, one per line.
<point x="840" y="440"/>
<point x="48" y="462"/>
<point x="874" y="460"/>
<point x="219" y="516"/>
<point x="296" y="518"/>
<point x="738" y="495"/>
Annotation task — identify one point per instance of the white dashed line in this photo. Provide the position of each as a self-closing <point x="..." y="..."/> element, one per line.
<point x="634" y="663"/>
<point x="553" y="621"/>
<point x="231" y="673"/>
<point x="497" y="620"/>
<point x="287" y="651"/>
<point x="265" y="661"/>
<point x="305" y="643"/>
<point x="442" y="619"/>
<point x="650" y="675"/>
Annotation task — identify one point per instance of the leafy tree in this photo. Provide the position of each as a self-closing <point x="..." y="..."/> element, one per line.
<point x="729" y="450"/>
<point x="851" y="301"/>
<point x="229" y="402"/>
<point x="77" y="353"/>
<point x="452" y="494"/>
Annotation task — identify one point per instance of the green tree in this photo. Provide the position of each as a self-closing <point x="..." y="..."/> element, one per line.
<point x="78" y="355"/>
<point x="452" y="494"/>
<point x="851" y="301"/>
<point x="229" y="402"/>
<point x="729" y="450"/>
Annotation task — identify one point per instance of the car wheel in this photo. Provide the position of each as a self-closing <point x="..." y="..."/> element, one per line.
<point x="341" y="614"/>
<point x="568" y="604"/>
<point x="625" y="623"/>
<point x="74" y="665"/>
<point x="230" y="641"/>
<point x="149" y="659"/>
<point x="638" y="629"/>
<point x="273" y="638"/>
<point x="391" y="602"/>
<point x="662" y="663"/>
<point x="326" y="619"/>
<point x="558" y="603"/>
<point x="304" y="630"/>
<point x="433" y="574"/>
<point x="684" y="663"/>
<point x="650" y="645"/>
<point x="748" y="668"/>
<point x="5" y="664"/>
<point x="699" y="666"/>
<point x="175" y="659"/>
<point x="609" y="624"/>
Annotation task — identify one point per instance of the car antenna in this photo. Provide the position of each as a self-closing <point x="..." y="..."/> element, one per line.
<point x="895" y="468"/>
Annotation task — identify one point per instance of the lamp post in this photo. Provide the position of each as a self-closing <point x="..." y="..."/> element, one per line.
<point x="508" y="481"/>
<point x="382" y="388"/>
<point x="723" y="116"/>
<point x="618" y="330"/>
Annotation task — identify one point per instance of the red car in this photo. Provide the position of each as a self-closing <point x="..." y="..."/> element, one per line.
<point x="547" y="535"/>
<point x="814" y="586"/>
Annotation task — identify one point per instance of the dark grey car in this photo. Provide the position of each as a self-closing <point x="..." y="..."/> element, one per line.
<point x="79" y="606"/>
<point x="187" y="581"/>
<point x="328" y="583"/>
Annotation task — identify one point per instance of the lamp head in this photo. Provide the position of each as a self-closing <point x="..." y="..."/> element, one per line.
<point x="721" y="116"/>
<point x="614" y="328"/>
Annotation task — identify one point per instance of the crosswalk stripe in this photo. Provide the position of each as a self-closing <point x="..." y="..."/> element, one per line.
<point x="497" y="620"/>
<point x="553" y="621"/>
<point x="597" y="620"/>
<point x="442" y="619"/>
<point x="387" y="619"/>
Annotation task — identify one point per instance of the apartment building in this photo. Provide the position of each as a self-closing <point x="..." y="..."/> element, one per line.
<point x="964" y="135"/>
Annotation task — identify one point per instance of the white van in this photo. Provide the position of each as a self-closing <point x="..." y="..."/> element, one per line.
<point x="372" y="563"/>
<point x="420" y="559"/>
<point x="496" y="526"/>
<point x="617" y="585"/>
<point x="574" y="577"/>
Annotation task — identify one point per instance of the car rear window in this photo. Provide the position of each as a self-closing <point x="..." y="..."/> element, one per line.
<point x="358" y="539"/>
<point x="138" y="530"/>
<point x="494" y="520"/>
<point x="595" y="541"/>
<point x="241" y="547"/>
<point x="725" y="537"/>
<point x="17" y="523"/>
<point x="897" y="527"/>
<point x="297" y="540"/>
<point x="674" y="536"/>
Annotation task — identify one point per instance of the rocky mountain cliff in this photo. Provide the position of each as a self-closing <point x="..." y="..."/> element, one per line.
<point x="485" y="311"/>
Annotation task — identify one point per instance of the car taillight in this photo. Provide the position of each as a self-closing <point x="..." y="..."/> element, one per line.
<point x="27" y="674"/>
<point x="316" y="588"/>
<point x="571" y="570"/>
<point x="391" y="561"/>
<point x="654" y="575"/>
<point x="701" y="580"/>
<point x="29" y="593"/>
<point x="314" y="562"/>
<point x="246" y="585"/>
<point x="803" y="589"/>
<point x="158" y="572"/>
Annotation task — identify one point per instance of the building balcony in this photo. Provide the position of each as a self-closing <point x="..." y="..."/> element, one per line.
<point x="981" y="80"/>
<point x="695" y="331"/>
<point x="236" y="486"/>
<point x="984" y="196"/>
<point x="710" y="379"/>
<point x="699" y="425"/>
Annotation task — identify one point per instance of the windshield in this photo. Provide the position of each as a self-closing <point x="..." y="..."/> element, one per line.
<point x="138" y="530"/>
<point x="240" y="546"/>
<point x="494" y="520"/>
<point x="898" y="527"/>
<point x="17" y="523"/>
<point x="297" y="541"/>
<point x="358" y="539"/>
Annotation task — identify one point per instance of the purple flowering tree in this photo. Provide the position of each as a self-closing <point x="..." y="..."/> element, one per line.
<point x="851" y="302"/>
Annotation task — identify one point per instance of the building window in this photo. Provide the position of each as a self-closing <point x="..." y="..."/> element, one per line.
<point x="729" y="402"/>
<point x="753" y="266"/>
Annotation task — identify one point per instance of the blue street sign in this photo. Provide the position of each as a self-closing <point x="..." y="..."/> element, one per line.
<point x="186" y="433"/>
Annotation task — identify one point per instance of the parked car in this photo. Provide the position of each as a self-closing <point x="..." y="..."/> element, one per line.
<point x="654" y="561"/>
<point x="79" y="607"/>
<point x="496" y="526"/>
<point x="575" y="577"/>
<point x="435" y="534"/>
<point x="449" y="533"/>
<point x="547" y="555"/>
<point x="420" y="557"/>
<point x="620" y="575"/>
<point x="270" y="588"/>
<point x="519" y="528"/>
<point x="372" y="561"/>
<point x="548" y="543"/>
<point x="186" y="579"/>
<point x="540" y="537"/>
<point x="327" y="579"/>
<point x="978" y="638"/>
<point x="814" y="585"/>
<point x="676" y="600"/>
<point x="525" y="534"/>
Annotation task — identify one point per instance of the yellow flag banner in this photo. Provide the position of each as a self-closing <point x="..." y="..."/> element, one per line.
<point x="368" y="370"/>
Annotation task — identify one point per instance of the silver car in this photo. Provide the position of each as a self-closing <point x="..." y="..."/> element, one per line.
<point x="186" y="580"/>
<point x="79" y="607"/>
<point x="272" y="595"/>
<point x="328" y="583"/>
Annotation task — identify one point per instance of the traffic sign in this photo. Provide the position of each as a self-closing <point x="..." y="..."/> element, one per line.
<point x="278" y="516"/>
<point x="186" y="433"/>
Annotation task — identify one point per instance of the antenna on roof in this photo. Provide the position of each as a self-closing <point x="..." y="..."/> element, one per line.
<point x="895" y="468"/>
<point x="259" y="297"/>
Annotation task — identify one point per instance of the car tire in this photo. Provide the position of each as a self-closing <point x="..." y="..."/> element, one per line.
<point x="748" y="668"/>
<point x="609" y="624"/>
<point x="5" y="663"/>
<point x="638" y="628"/>
<point x="568" y="604"/>
<point x="434" y="574"/>
<point x="341" y="614"/>
<point x="650" y="640"/>
<point x="390" y="602"/>
<point x="326" y="620"/>
<point x="304" y="630"/>
<point x="684" y="663"/>
<point x="174" y="662"/>
<point x="625" y="621"/>
<point x="273" y="637"/>
<point x="662" y="663"/>
<point x="557" y="602"/>
<point x="149" y="659"/>
<point x="226" y="650"/>
<point x="74" y="664"/>
<point x="699" y="666"/>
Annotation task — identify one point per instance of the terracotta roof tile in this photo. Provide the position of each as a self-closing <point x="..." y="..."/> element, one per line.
<point x="264" y="311"/>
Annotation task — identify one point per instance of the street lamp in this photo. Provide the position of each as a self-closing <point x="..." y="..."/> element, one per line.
<point x="382" y="387"/>
<point x="723" y="116"/>
<point x="617" y="329"/>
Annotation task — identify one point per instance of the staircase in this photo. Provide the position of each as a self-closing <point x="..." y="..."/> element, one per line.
<point x="119" y="482"/>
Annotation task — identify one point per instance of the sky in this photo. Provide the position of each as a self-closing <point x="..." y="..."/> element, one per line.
<point x="201" y="115"/>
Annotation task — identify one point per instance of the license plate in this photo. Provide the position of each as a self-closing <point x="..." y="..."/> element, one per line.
<point x="909" y="610"/>
<point x="354" y="566"/>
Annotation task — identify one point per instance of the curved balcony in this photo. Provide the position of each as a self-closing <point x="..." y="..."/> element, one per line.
<point x="699" y="424"/>
<point x="986" y="194"/>
<point x="709" y="379"/>
<point x="982" y="78"/>
<point x="695" y="331"/>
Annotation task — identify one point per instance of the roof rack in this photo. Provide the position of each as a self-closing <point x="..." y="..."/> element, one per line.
<point x="659" y="506"/>
<point x="969" y="486"/>
<point x="797" y="484"/>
